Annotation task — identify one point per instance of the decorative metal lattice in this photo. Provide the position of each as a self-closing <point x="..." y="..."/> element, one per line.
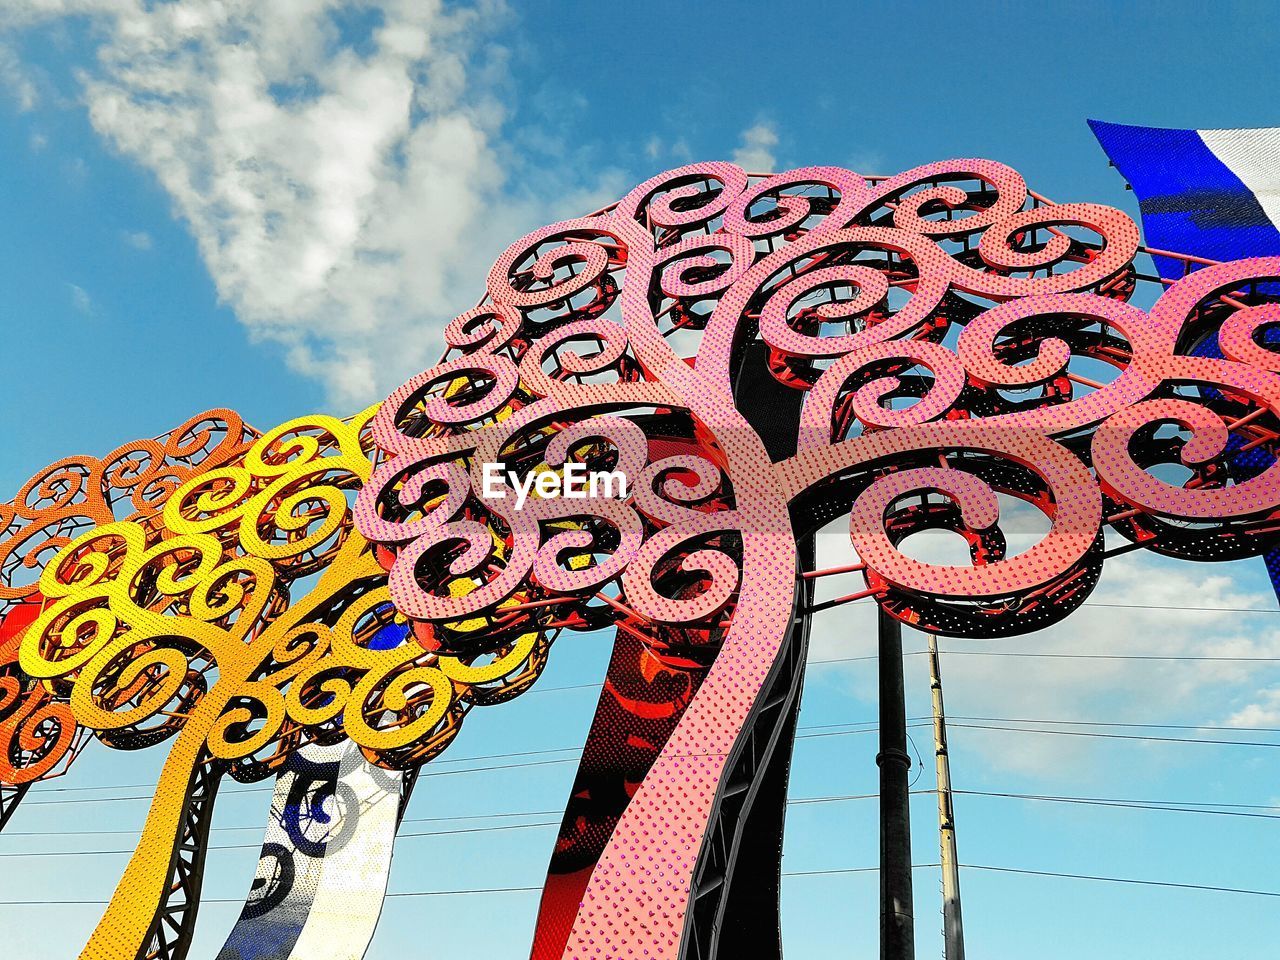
<point x="758" y="356"/>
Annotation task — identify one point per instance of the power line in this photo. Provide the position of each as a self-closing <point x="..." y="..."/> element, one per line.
<point x="488" y="756"/>
<point x="802" y="735"/>
<point x="960" y="653"/>
<point x="1119" y="723"/>
<point x="806" y="733"/>
<point x="1183" y="806"/>
<point x="1122" y="803"/>
<point x="572" y="686"/>
<point x="1137" y="606"/>
<point x="255" y="846"/>
<point x="1143" y="883"/>
<point x="799" y="801"/>
<point x="427" y="773"/>
<point x="1171" y="606"/>
<point x="241" y="900"/>
<point x="259" y="826"/>
<point x="1172" y="807"/>
<point x="1117" y="736"/>
<point x="836" y="871"/>
<point x="1063" y="656"/>
<point x="839" y="870"/>
<point x="844" y="733"/>
<point x="1101" y="656"/>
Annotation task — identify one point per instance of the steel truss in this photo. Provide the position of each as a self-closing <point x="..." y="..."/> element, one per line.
<point x="736" y="888"/>
<point x="735" y="906"/>
<point x="175" y="922"/>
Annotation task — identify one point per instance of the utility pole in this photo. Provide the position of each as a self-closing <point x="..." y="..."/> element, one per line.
<point x="897" y="926"/>
<point x="952" y="925"/>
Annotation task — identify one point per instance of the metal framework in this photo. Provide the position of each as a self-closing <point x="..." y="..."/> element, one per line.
<point x="175" y="922"/>
<point x="758" y="355"/>
<point x="10" y="797"/>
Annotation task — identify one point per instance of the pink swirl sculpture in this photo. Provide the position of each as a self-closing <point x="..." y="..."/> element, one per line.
<point x="760" y="356"/>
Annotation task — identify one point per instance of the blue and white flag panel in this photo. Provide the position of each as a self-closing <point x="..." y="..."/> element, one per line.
<point x="325" y="860"/>
<point x="1209" y="193"/>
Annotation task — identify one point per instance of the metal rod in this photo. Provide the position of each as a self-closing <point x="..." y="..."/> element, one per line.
<point x="897" y="925"/>
<point x="952" y="924"/>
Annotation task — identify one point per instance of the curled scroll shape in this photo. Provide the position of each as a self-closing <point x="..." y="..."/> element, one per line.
<point x="36" y="524"/>
<point x="24" y="553"/>
<point x="286" y="503"/>
<point x="447" y="484"/>
<point x="626" y="438"/>
<point x="1118" y="231"/>
<point x="65" y="482"/>
<point x="151" y="470"/>
<point x="677" y="265"/>
<point x="613" y="347"/>
<point x="1238" y="336"/>
<point x="629" y="441"/>
<point x="98" y="634"/>
<point x="587" y="243"/>
<point x="661" y="495"/>
<point x="792" y="210"/>
<point x="817" y="417"/>
<point x="483" y="329"/>
<point x="664" y="495"/>
<point x="498" y="574"/>
<point x="136" y="466"/>
<point x="910" y="211"/>
<point x="871" y="286"/>
<point x="498" y="375"/>
<point x="725" y="326"/>
<point x="718" y="568"/>
<point x="976" y="349"/>
<point x="1172" y="314"/>
<point x="676" y="199"/>
<point x="1129" y="482"/>
<point x="1076" y="517"/>
<point x="36" y="731"/>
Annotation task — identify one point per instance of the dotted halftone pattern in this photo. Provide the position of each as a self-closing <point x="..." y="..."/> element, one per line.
<point x="936" y="323"/>
<point x="934" y="320"/>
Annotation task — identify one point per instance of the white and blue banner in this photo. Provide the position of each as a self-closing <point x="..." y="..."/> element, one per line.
<point x="1209" y="193"/>
<point x="322" y="874"/>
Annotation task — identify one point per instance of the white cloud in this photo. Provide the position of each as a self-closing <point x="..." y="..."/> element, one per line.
<point x="756" y="151"/>
<point x="347" y="193"/>
<point x="1264" y="712"/>
<point x="15" y="81"/>
<point x="867" y="161"/>
<point x="76" y="171"/>
<point x="656" y="148"/>
<point x="138" y="239"/>
<point x="80" y="299"/>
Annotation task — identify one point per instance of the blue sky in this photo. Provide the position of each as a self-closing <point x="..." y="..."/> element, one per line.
<point x="150" y="273"/>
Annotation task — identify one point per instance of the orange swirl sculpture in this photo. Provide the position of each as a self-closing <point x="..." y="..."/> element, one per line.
<point x="758" y="356"/>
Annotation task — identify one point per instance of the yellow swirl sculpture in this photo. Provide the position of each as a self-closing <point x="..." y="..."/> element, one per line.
<point x="189" y="625"/>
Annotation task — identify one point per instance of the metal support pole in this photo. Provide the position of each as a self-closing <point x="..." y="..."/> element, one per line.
<point x="897" y="929"/>
<point x="952" y="925"/>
